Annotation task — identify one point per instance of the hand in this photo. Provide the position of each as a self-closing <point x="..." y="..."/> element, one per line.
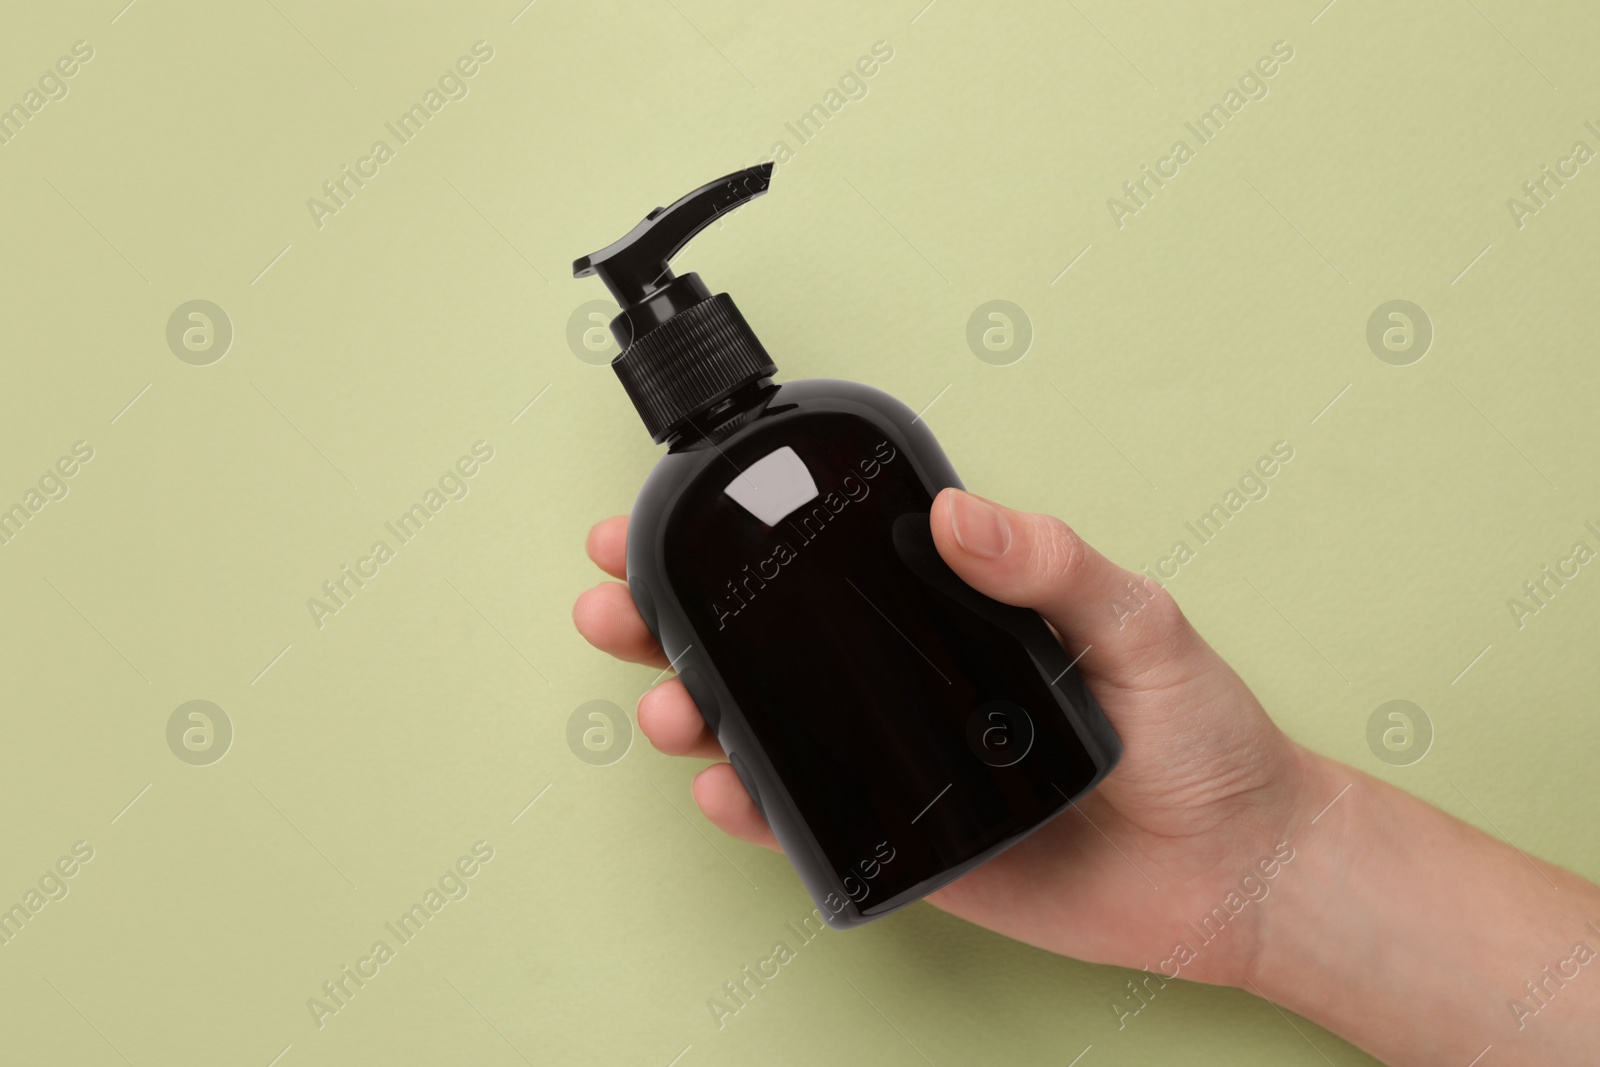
<point x="1414" y="935"/>
<point x="1207" y="787"/>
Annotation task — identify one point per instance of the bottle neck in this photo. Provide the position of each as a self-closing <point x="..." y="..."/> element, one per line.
<point x="652" y="308"/>
<point x="713" y="421"/>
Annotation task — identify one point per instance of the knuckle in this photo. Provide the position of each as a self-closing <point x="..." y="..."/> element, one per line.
<point x="1160" y="619"/>
<point x="1059" y="553"/>
<point x="1164" y="613"/>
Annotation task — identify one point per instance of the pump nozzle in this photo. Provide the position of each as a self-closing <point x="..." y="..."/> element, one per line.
<point x="682" y="347"/>
<point x="634" y="267"/>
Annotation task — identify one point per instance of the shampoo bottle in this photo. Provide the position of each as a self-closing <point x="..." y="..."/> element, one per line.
<point x="895" y="727"/>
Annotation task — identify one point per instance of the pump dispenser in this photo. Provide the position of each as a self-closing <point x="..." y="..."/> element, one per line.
<point x="682" y="347"/>
<point x="895" y="727"/>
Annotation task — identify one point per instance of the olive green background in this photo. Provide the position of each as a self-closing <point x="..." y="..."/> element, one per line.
<point x="369" y="354"/>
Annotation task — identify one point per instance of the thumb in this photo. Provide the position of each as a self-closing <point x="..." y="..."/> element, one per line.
<point x="1127" y="627"/>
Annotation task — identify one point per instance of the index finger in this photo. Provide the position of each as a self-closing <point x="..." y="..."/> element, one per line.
<point x="607" y="545"/>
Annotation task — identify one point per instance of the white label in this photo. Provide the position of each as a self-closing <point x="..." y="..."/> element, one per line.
<point x="774" y="486"/>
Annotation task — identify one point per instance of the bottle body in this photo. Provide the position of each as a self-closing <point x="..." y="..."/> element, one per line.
<point x="895" y="727"/>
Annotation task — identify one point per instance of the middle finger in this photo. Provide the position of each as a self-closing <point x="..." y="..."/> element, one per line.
<point x="669" y="718"/>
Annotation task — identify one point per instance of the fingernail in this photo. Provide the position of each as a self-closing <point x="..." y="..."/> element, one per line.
<point x="980" y="529"/>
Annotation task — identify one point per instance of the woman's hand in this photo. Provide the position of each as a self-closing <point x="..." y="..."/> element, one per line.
<point x="1206" y="791"/>
<point x="1218" y="850"/>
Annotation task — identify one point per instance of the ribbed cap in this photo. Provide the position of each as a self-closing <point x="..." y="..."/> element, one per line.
<point x="695" y="358"/>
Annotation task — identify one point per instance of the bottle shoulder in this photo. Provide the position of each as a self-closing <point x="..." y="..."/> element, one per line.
<point x="839" y="394"/>
<point x="794" y="410"/>
<point x="790" y="403"/>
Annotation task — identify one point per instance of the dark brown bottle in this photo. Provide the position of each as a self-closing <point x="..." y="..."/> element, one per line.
<point x="895" y="727"/>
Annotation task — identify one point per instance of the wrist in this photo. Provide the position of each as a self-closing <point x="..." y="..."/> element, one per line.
<point x="1301" y="926"/>
<point x="1306" y="845"/>
<point x="1226" y="933"/>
